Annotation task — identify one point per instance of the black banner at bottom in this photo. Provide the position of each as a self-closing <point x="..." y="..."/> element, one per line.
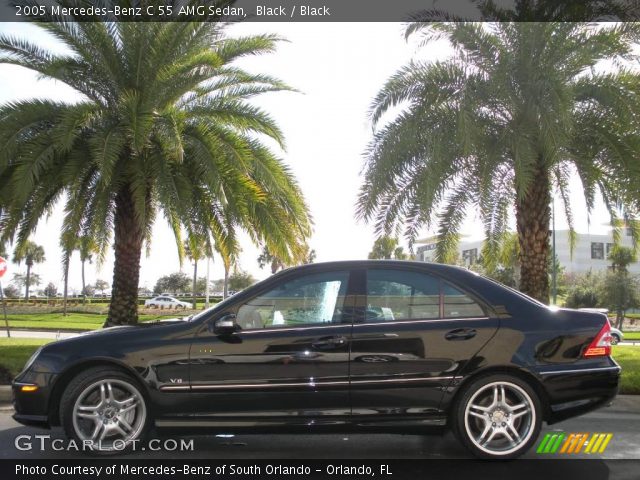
<point x="121" y="468"/>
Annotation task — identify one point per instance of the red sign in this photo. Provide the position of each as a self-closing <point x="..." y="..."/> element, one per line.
<point x="3" y="267"/>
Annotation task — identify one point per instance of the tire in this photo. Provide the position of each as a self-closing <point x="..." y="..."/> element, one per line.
<point x="485" y="421"/>
<point x="105" y="407"/>
<point x="615" y="339"/>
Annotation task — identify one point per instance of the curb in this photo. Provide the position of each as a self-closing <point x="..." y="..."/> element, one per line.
<point x="5" y="395"/>
<point x="43" y="329"/>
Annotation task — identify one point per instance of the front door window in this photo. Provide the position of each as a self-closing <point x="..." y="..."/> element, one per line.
<point x="311" y="300"/>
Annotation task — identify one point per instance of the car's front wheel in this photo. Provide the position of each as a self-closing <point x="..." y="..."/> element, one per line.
<point x="497" y="416"/>
<point x="104" y="408"/>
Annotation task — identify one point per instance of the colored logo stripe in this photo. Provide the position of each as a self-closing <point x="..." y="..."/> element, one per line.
<point x="551" y="442"/>
<point x="598" y="442"/>
<point x="574" y="443"/>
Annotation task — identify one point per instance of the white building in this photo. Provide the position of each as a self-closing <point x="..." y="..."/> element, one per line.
<point x="589" y="254"/>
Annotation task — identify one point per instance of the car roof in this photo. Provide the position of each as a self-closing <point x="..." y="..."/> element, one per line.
<point x="351" y="264"/>
<point x="493" y="292"/>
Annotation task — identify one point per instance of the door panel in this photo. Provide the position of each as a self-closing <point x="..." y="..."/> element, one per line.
<point x="401" y="362"/>
<point x="289" y="359"/>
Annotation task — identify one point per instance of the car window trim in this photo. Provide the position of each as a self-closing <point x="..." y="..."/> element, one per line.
<point x="441" y="281"/>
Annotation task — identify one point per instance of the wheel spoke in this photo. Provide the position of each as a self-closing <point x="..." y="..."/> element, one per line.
<point x="88" y="408"/>
<point x="509" y="437"/>
<point x="91" y="416"/>
<point x="503" y="398"/>
<point x="119" y="429"/>
<point x="520" y="410"/>
<point x="126" y="401"/>
<point x="125" y="425"/>
<point x="479" y="408"/>
<point x="103" y="393"/>
<point x="495" y="396"/>
<point x="96" y="432"/>
<point x="482" y="416"/>
<point x="487" y="429"/>
<point x="515" y="432"/>
<point x="110" y="392"/>
<point x="488" y="440"/>
<point x="129" y="408"/>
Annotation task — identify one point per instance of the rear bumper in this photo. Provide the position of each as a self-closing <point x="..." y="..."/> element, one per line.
<point x="573" y="392"/>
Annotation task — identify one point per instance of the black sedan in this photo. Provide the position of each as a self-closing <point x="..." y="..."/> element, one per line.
<point x="374" y="346"/>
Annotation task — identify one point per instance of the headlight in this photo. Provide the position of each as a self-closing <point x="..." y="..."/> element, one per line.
<point x="32" y="359"/>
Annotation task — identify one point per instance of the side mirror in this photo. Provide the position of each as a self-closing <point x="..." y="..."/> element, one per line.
<point x="225" y="325"/>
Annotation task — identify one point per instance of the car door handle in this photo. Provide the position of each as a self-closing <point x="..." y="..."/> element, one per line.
<point x="326" y="343"/>
<point x="461" y="334"/>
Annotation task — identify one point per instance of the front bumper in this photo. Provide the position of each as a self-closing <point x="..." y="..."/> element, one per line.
<point x="33" y="408"/>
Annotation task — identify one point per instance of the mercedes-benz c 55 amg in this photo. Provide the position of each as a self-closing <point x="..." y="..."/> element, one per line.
<point x="365" y="346"/>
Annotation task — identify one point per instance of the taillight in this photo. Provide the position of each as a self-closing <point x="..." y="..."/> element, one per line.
<point x="601" y="345"/>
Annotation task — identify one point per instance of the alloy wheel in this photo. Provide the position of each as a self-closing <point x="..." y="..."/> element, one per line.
<point x="110" y="414"/>
<point x="500" y="418"/>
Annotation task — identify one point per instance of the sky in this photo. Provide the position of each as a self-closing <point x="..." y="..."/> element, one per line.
<point x="337" y="68"/>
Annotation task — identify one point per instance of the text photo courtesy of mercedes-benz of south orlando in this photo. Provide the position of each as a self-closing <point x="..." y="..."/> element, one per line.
<point x="320" y="239"/>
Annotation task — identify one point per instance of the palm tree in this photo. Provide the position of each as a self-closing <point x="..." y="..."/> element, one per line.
<point x="306" y="255"/>
<point x="386" y="247"/>
<point x="86" y="247"/>
<point x="267" y="258"/>
<point x="621" y="257"/>
<point x="164" y="126"/>
<point x="30" y="253"/>
<point x="67" y="245"/>
<point x="195" y="249"/>
<point x="516" y="111"/>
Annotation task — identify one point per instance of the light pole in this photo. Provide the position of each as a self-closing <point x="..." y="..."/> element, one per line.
<point x="206" y="300"/>
<point x="554" y="290"/>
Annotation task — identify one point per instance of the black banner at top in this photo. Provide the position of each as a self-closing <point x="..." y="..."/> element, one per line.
<point x="320" y="10"/>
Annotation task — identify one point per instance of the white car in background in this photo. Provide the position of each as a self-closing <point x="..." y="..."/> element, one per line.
<point x="165" y="301"/>
<point x="616" y="335"/>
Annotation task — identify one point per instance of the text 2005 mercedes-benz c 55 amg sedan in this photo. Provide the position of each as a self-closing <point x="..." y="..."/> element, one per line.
<point x="366" y="346"/>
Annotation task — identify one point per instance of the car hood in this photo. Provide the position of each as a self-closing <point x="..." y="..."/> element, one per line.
<point x="139" y="326"/>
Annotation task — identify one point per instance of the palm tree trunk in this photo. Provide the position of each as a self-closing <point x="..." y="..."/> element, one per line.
<point x="225" y="290"/>
<point x="533" y="218"/>
<point x="28" y="283"/>
<point x="128" y="239"/>
<point x="195" y="280"/>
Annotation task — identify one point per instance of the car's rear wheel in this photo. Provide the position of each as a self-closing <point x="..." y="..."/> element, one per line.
<point x="497" y="416"/>
<point x="104" y="408"/>
<point x="615" y="339"/>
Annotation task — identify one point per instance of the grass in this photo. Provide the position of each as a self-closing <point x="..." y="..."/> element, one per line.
<point x="631" y="335"/>
<point x="77" y="321"/>
<point x="16" y="352"/>
<point x="629" y="359"/>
